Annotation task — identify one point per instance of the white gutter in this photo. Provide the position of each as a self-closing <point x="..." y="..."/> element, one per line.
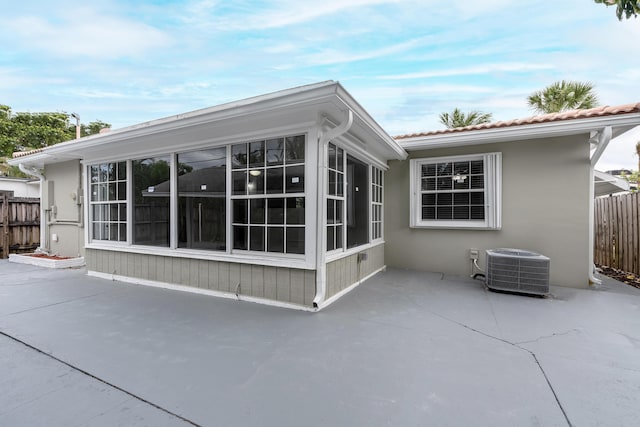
<point x="321" y="253"/>
<point x="43" y="221"/>
<point x="602" y="139"/>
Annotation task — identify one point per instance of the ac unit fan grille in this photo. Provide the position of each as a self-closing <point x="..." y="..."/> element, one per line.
<point x="517" y="270"/>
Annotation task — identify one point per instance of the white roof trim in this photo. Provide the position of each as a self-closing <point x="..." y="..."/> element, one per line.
<point x="328" y="91"/>
<point x="519" y="132"/>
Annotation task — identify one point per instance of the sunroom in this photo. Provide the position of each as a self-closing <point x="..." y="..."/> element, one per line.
<point x="276" y="199"/>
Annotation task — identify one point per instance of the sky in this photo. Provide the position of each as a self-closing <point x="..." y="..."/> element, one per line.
<point x="126" y="62"/>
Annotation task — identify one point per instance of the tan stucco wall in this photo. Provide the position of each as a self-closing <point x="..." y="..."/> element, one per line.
<point x="62" y="190"/>
<point x="545" y="208"/>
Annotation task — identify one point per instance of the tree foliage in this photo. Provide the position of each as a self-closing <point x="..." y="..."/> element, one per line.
<point x="24" y="131"/>
<point x="458" y="119"/>
<point x="563" y="96"/>
<point x="626" y="8"/>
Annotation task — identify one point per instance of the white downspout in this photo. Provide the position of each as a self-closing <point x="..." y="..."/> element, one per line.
<point x="321" y="252"/>
<point x="603" y="139"/>
<point x="43" y="220"/>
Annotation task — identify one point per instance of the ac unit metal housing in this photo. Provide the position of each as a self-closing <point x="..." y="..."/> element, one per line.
<point x="517" y="270"/>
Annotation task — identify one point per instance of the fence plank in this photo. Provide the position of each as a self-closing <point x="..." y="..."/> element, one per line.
<point x="20" y="218"/>
<point x="617" y="232"/>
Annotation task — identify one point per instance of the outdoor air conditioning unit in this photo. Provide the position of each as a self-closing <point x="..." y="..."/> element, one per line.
<point x="516" y="270"/>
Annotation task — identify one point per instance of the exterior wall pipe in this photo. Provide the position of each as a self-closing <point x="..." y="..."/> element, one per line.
<point x="603" y="139"/>
<point x="43" y="221"/>
<point x="321" y="252"/>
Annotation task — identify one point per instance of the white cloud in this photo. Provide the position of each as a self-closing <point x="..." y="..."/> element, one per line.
<point x="516" y="67"/>
<point x="332" y="56"/>
<point x="278" y="14"/>
<point x="85" y="32"/>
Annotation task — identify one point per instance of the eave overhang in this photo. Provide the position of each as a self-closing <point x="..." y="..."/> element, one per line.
<point x="327" y="99"/>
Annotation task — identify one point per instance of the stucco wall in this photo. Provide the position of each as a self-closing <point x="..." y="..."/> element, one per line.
<point x="290" y="285"/>
<point x="62" y="195"/>
<point x="346" y="271"/>
<point x="545" y="208"/>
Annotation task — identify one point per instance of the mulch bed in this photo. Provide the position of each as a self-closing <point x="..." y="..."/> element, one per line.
<point x="56" y="257"/>
<point x="621" y="276"/>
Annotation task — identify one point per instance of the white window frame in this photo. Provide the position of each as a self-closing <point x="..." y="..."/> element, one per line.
<point x="492" y="193"/>
<point x="276" y="259"/>
<point x="376" y="180"/>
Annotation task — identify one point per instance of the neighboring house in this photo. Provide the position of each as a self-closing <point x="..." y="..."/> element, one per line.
<point x="607" y="184"/>
<point x="20" y="187"/>
<point x="295" y="197"/>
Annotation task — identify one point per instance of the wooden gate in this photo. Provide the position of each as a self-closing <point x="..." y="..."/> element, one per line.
<point x="617" y="232"/>
<point x="20" y="218"/>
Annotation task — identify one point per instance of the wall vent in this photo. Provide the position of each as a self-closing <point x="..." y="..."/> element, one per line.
<point x="517" y="270"/>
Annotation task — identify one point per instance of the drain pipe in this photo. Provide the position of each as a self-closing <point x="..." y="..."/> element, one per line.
<point x="43" y="221"/>
<point x="321" y="233"/>
<point x="601" y="140"/>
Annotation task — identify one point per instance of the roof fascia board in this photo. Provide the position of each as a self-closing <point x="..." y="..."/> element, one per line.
<point x="519" y="132"/>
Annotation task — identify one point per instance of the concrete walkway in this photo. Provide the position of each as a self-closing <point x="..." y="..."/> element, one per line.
<point x="404" y="349"/>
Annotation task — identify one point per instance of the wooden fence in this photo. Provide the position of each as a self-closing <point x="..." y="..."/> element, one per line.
<point x="617" y="232"/>
<point x="20" y="220"/>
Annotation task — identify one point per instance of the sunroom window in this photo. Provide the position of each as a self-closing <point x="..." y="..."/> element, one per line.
<point x="268" y="195"/>
<point x="376" y="203"/>
<point x="202" y="200"/>
<point x="456" y="192"/>
<point x="108" y="201"/>
<point x="151" y="189"/>
<point x="350" y="182"/>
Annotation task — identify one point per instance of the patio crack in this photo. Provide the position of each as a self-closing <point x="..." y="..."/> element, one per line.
<point x="103" y="381"/>
<point x="516" y="345"/>
<point x="558" y="334"/>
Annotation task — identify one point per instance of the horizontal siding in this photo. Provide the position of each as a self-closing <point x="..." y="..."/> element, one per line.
<point x="282" y="284"/>
<point x="344" y="272"/>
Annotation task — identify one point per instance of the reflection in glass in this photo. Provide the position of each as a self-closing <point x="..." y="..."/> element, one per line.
<point x="151" y="187"/>
<point x="202" y="198"/>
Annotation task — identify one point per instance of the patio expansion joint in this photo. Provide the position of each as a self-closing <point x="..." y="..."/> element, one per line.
<point x="54" y="304"/>
<point x="101" y="380"/>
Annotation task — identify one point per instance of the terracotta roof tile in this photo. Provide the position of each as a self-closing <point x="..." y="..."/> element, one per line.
<point x="18" y="154"/>
<point x="544" y="118"/>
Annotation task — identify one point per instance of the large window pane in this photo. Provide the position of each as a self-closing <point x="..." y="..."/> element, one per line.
<point x="275" y="239"/>
<point x="151" y="188"/>
<point x="275" y="151"/>
<point x="295" y="179"/>
<point x="275" y="211"/>
<point x="256" y="154"/>
<point x="275" y="180"/>
<point x="295" y="240"/>
<point x="202" y="199"/>
<point x="295" y="149"/>
<point x="295" y="210"/>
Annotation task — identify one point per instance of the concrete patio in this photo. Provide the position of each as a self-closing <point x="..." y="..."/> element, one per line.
<point x="405" y="348"/>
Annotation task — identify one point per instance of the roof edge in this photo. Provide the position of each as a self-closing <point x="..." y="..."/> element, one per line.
<point x="519" y="132"/>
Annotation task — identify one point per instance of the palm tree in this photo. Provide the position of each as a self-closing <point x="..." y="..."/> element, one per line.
<point x="628" y="8"/>
<point x="458" y="119"/>
<point x="563" y="96"/>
